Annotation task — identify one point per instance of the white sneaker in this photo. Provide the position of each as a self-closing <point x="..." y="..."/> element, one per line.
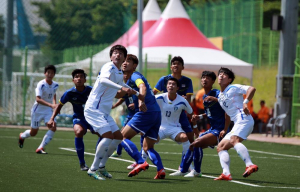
<point x="95" y="174"/>
<point x="132" y="166"/>
<point x="178" y="173"/>
<point x="193" y="173"/>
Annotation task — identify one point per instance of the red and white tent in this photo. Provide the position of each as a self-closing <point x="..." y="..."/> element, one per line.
<point x="175" y="34"/>
<point x="151" y="14"/>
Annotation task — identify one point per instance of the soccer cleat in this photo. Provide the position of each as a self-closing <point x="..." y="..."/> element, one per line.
<point x="40" y="151"/>
<point x="193" y="173"/>
<point x="178" y="173"/>
<point x="105" y="173"/>
<point x="115" y="154"/>
<point x="95" y="174"/>
<point x="160" y="174"/>
<point x="224" y="177"/>
<point x="84" y="167"/>
<point x="138" y="168"/>
<point x="21" y="141"/>
<point x="132" y="166"/>
<point x="249" y="170"/>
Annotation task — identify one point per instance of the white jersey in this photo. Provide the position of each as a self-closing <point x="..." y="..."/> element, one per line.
<point x="171" y="110"/>
<point x="101" y="96"/>
<point x="46" y="92"/>
<point x="231" y="100"/>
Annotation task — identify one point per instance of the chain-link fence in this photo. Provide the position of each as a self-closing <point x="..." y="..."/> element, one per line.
<point x="296" y="96"/>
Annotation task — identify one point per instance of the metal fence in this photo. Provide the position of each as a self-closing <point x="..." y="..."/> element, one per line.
<point x="295" y="130"/>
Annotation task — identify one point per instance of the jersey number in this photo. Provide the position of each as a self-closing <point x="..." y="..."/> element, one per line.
<point x="49" y="96"/>
<point x="168" y="113"/>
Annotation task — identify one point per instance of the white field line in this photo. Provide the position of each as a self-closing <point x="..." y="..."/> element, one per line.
<point x="208" y="176"/>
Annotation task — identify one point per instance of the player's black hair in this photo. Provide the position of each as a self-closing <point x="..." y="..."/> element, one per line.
<point x="227" y="72"/>
<point x="177" y="58"/>
<point x="50" y="67"/>
<point x="210" y="74"/>
<point x="175" y="80"/>
<point x="78" y="71"/>
<point x="132" y="58"/>
<point x="120" y="48"/>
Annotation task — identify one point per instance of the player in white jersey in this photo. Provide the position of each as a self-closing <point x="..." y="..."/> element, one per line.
<point x="98" y="107"/>
<point x="42" y="109"/>
<point x="171" y="105"/>
<point x="231" y="100"/>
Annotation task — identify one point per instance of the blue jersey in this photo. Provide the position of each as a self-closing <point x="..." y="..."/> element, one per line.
<point x="214" y="111"/>
<point x="186" y="85"/>
<point x="77" y="99"/>
<point x="128" y="101"/>
<point x="150" y="101"/>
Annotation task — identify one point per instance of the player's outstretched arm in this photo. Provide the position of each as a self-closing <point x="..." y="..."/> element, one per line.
<point x="119" y="102"/>
<point x="43" y="102"/>
<point x="142" y="93"/>
<point x="56" y="111"/>
<point x="249" y="95"/>
<point x="226" y="126"/>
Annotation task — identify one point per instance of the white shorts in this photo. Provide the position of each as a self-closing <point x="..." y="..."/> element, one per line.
<point x="242" y="128"/>
<point x="36" y="118"/>
<point x="101" y="122"/>
<point x="169" y="132"/>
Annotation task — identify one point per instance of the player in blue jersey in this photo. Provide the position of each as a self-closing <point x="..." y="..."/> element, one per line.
<point x="77" y="96"/>
<point x="210" y="138"/>
<point x="132" y="106"/>
<point x="185" y="90"/>
<point x="147" y="121"/>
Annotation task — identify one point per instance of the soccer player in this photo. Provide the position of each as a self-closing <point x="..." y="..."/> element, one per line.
<point x="185" y="90"/>
<point x="147" y="121"/>
<point x="42" y="109"/>
<point x="98" y="107"/>
<point x="77" y="96"/>
<point x="216" y="116"/>
<point x="171" y="105"/>
<point x="231" y="100"/>
<point x="132" y="106"/>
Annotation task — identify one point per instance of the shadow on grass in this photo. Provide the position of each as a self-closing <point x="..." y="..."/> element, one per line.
<point x="158" y="181"/>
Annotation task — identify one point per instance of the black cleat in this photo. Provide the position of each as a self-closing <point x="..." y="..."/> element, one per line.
<point x="83" y="167"/>
<point x="21" y="141"/>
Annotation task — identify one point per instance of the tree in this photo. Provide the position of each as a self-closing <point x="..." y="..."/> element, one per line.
<point x="1" y="31"/>
<point x="78" y="23"/>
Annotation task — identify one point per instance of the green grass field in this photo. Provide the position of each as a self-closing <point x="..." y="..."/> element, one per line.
<point x="24" y="170"/>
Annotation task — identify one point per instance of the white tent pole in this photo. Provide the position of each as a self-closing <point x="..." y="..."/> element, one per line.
<point x="140" y="20"/>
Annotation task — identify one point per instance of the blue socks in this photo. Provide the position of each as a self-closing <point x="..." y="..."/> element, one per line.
<point x="132" y="150"/>
<point x="187" y="160"/>
<point x="119" y="149"/>
<point x="198" y="155"/>
<point x="195" y="155"/>
<point x="79" y="145"/>
<point x="155" y="158"/>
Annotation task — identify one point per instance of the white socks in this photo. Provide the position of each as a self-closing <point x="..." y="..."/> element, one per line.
<point x="243" y="153"/>
<point x="101" y="152"/>
<point x="25" y="134"/>
<point x="185" y="147"/>
<point x="225" y="161"/>
<point x="112" y="147"/>
<point x="47" y="138"/>
<point x="144" y="155"/>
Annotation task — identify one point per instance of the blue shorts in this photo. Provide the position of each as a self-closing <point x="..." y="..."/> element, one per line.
<point x="215" y="133"/>
<point x="127" y="120"/>
<point x="184" y="122"/>
<point x="83" y="124"/>
<point x="147" y="123"/>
